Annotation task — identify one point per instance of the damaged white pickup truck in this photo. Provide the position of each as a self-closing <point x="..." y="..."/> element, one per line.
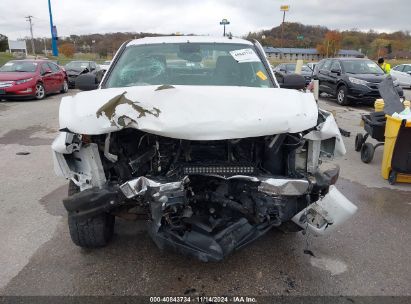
<point x="195" y="133"/>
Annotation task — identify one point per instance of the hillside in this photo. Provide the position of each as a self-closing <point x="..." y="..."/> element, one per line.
<point x="371" y="43"/>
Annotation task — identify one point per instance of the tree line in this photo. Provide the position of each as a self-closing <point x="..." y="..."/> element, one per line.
<point x="329" y="42"/>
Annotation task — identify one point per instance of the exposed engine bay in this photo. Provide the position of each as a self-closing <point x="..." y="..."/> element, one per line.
<point x="203" y="198"/>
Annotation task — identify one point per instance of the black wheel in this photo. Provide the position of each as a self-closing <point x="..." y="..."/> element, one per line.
<point x="359" y="141"/>
<point x="90" y="232"/>
<point x="367" y="153"/>
<point x="40" y="91"/>
<point x="341" y="95"/>
<point x="392" y="178"/>
<point x="64" y="88"/>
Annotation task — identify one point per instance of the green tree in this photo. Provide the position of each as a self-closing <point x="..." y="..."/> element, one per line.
<point x="3" y="43"/>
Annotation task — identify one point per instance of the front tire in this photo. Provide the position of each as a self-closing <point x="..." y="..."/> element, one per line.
<point x="40" y="91"/>
<point x="342" y="98"/>
<point x="92" y="232"/>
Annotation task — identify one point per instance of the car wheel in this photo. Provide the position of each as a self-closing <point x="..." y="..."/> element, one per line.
<point x="367" y="153"/>
<point x="40" y="91"/>
<point x="64" y="88"/>
<point x="341" y="95"/>
<point x="359" y="141"/>
<point x="91" y="232"/>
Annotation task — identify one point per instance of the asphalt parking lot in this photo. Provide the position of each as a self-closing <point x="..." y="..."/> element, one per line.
<point x="370" y="255"/>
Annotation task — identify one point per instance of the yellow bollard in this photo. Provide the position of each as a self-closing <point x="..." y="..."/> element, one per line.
<point x="379" y="105"/>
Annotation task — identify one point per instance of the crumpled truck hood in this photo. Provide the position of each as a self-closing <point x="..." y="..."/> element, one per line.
<point x="190" y="112"/>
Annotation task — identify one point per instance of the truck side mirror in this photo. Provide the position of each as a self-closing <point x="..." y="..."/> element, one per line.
<point x="293" y="81"/>
<point x="87" y="82"/>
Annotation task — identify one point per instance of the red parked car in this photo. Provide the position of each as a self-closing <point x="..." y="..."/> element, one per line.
<point x="31" y="78"/>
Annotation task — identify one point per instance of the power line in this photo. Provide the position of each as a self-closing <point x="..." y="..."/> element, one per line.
<point x="31" y="32"/>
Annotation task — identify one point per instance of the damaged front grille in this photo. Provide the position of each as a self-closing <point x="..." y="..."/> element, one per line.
<point x="219" y="170"/>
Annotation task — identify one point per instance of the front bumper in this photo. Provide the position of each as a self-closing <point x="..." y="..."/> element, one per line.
<point x="202" y="241"/>
<point x="366" y="93"/>
<point x="18" y="91"/>
<point x="327" y="214"/>
<point x="72" y="81"/>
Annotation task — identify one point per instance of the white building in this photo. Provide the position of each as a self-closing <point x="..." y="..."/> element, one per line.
<point x="292" y="54"/>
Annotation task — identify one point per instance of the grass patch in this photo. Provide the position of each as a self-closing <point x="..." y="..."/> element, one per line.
<point x="4" y="57"/>
<point x="61" y="60"/>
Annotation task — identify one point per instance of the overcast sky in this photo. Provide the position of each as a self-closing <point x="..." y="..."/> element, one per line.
<point x="198" y="16"/>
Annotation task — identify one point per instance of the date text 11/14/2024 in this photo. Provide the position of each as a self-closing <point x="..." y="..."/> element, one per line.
<point x="203" y="299"/>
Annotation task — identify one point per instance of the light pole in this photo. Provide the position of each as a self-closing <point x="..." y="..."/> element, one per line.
<point x="224" y="22"/>
<point x="53" y="33"/>
<point x="283" y="8"/>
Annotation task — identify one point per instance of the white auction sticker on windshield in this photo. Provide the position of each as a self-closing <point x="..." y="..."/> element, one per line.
<point x="245" y="55"/>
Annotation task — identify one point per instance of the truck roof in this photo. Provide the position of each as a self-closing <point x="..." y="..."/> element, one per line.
<point x="183" y="39"/>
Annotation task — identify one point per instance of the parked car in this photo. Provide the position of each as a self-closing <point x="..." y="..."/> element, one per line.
<point x="31" y="79"/>
<point x="105" y="65"/>
<point x="79" y="67"/>
<point x="216" y="154"/>
<point x="289" y="68"/>
<point x="402" y="73"/>
<point x="351" y="79"/>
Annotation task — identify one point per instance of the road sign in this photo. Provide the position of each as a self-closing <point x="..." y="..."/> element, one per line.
<point x="224" y="22"/>
<point x="300" y="37"/>
<point x="284" y="8"/>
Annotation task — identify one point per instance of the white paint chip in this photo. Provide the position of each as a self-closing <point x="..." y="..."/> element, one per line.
<point x="335" y="267"/>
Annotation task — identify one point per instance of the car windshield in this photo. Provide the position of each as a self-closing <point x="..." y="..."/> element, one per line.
<point x="76" y="65"/>
<point x="361" y="67"/>
<point x="19" y="66"/>
<point x="306" y="69"/>
<point x="290" y="67"/>
<point x="216" y="64"/>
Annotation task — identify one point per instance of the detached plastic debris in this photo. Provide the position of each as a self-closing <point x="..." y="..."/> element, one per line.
<point x="406" y="114"/>
<point x="392" y="101"/>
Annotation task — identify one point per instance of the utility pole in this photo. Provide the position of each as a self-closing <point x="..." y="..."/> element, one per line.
<point x="283" y="8"/>
<point x="31" y="32"/>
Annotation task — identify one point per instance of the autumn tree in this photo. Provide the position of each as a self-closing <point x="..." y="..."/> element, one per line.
<point x="351" y="41"/>
<point x="379" y="47"/>
<point x="332" y="43"/>
<point x="67" y="49"/>
<point x="321" y="49"/>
